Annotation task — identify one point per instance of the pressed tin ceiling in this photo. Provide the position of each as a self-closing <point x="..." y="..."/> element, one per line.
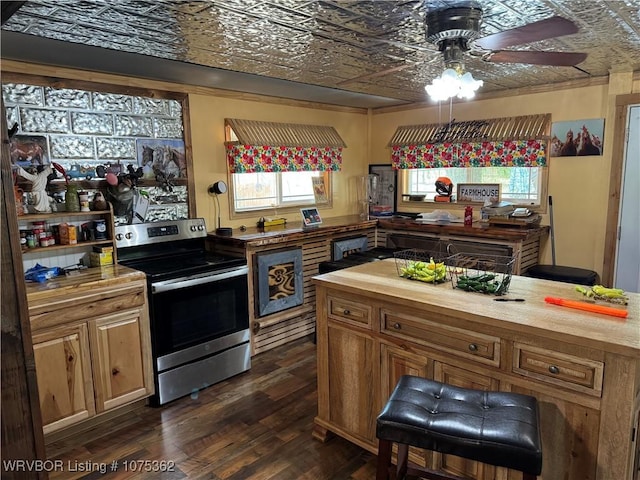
<point x="352" y="53"/>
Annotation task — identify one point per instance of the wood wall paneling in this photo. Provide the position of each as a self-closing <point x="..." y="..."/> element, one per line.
<point x="22" y="436"/>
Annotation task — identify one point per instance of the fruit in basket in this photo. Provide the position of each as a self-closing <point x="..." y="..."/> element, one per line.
<point x="484" y="283"/>
<point x="430" y="272"/>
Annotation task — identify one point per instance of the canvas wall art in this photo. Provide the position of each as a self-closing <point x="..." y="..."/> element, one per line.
<point x="577" y="138"/>
<point x="164" y="157"/>
<point x="29" y="150"/>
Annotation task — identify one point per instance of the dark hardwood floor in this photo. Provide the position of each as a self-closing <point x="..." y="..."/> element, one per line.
<point x="256" y="425"/>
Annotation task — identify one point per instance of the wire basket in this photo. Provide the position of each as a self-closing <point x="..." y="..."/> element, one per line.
<point x="422" y="265"/>
<point x="488" y="274"/>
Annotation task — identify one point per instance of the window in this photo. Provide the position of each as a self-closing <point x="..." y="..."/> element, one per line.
<point x="257" y="191"/>
<point x="520" y="185"/>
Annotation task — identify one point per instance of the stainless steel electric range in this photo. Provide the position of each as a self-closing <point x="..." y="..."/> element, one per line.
<point x="198" y="304"/>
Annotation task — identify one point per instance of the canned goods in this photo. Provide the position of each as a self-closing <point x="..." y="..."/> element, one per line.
<point x="468" y="216"/>
<point x="37" y="228"/>
<point x="100" y="227"/>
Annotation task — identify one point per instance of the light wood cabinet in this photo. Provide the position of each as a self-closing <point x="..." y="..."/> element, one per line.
<point x="91" y="343"/>
<point x="63" y="370"/>
<point x="118" y="366"/>
<point x="584" y="369"/>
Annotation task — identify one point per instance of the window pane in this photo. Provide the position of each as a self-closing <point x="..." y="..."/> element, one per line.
<point x="520" y="185"/>
<point x="254" y="191"/>
<point x="297" y="187"/>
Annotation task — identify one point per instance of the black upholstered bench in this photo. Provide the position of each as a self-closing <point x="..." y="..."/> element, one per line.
<point x="498" y="428"/>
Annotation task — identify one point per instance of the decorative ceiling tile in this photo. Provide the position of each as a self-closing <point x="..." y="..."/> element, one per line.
<point x="365" y="47"/>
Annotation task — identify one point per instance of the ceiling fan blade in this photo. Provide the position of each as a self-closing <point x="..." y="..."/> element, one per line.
<point x="557" y="59"/>
<point x="532" y="32"/>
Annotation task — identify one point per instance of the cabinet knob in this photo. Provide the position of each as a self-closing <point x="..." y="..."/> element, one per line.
<point x="115" y="371"/>
<point x="346" y="311"/>
<point x="553" y="369"/>
<point x="70" y="359"/>
<point x="397" y="326"/>
<point x="256" y="327"/>
<point x="473" y="347"/>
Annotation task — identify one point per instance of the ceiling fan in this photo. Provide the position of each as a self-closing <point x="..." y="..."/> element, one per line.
<point x="456" y="30"/>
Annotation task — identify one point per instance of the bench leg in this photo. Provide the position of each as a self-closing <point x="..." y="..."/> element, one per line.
<point x="384" y="459"/>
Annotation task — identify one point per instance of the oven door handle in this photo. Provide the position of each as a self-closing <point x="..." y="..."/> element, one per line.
<point x="202" y="279"/>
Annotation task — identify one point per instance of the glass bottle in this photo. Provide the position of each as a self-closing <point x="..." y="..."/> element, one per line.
<point x="71" y="200"/>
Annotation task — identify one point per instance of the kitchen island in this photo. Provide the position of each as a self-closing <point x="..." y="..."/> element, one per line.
<point x="584" y="368"/>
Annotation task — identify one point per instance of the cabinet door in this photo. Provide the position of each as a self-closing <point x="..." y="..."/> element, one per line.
<point x="399" y="361"/>
<point x="465" y="379"/>
<point x="118" y="354"/>
<point x="353" y="385"/>
<point x="571" y="432"/>
<point x="63" y="370"/>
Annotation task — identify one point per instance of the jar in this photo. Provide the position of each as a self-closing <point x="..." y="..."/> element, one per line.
<point x="468" y="216"/>
<point x="71" y="200"/>
<point x="37" y="228"/>
<point x="83" y="198"/>
<point x="23" y="238"/>
<point x="100" y="227"/>
<point x="31" y="240"/>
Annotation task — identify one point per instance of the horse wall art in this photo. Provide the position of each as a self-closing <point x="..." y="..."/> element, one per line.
<point x="165" y="157"/>
<point x="28" y="150"/>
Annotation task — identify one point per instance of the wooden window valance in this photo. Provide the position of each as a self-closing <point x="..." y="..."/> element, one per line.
<point x="499" y="142"/>
<point x="254" y="146"/>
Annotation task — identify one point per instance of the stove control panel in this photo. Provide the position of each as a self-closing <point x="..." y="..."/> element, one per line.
<point x="158" y="232"/>
<point x="164" y="230"/>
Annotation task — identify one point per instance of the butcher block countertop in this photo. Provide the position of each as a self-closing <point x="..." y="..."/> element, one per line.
<point x="480" y="230"/>
<point x="534" y="316"/>
<point x="83" y="281"/>
<point x="292" y="231"/>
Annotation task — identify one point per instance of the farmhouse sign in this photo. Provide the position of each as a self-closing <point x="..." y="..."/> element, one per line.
<point x="478" y="192"/>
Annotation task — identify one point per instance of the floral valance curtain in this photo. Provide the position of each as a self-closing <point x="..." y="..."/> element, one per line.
<point x="496" y="142"/>
<point x="255" y="146"/>
<point x="265" y="158"/>
<point x="518" y="153"/>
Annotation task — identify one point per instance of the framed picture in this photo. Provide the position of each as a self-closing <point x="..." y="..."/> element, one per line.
<point x="310" y="217"/>
<point x="279" y="282"/>
<point x="384" y="198"/>
<point x="29" y="150"/>
<point x="577" y="138"/>
<point x="319" y="190"/>
<point x="161" y="156"/>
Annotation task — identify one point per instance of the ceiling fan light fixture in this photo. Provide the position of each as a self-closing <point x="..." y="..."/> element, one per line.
<point x="453" y="83"/>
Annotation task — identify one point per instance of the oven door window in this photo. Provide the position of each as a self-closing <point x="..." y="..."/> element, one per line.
<point x="184" y="317"/>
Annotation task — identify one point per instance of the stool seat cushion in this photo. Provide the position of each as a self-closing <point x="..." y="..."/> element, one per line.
<point x="497" y="428"/>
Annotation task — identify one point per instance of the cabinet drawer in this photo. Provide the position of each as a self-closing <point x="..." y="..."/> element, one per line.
<point x="349" y="311"/>
<point x="558" y="368"/>
<point x="78" y="307"/>
<point x="472" y="345"/>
